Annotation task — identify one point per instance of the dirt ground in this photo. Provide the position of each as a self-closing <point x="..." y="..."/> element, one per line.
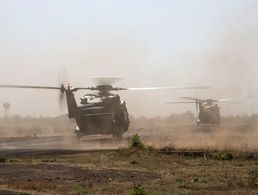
<point x="179" y="161"/>
<point x="116" y="172"/>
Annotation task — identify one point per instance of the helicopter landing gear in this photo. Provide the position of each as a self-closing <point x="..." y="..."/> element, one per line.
<point x="118" y="134"/>
<point x="78" y="135"/>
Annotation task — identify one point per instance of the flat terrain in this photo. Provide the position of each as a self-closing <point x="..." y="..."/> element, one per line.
<point x="115" y="172"/>
<point x="186" y="162"/>
<point x="188" y="136"/>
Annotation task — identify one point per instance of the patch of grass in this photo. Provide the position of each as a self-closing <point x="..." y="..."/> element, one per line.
<point x="138" y="190"/>
<point x="13" y="160"/>
<point x="181" y="170"/>
<point x="136" y="143"/>
<point x="235" y="181"/>
<point x="3" y="160"/>
<point x="79" y="190"/>
<point x="49" y="160"/>
<point x="223" y="155"/>
<point x="34" y="186"/>
<point x="253" y="178"/>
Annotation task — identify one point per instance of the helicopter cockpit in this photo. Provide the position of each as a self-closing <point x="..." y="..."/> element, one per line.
<point x="208" y="106"/>
<point x="95" y="99"/>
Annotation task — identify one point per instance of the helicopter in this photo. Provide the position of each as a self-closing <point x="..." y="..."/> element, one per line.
<point x="101" y="111"/>
<point x="207" y="110"/>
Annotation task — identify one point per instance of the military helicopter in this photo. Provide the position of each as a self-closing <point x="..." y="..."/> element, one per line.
<point x="207" y="110"/>
<point x="102" y="112"/>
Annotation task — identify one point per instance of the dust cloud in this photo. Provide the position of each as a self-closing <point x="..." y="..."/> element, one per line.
<point x="231" y="62"/>
<point x="176" y="130"/>
<point x="45" y="133"/>
<point x="180" y="131"/>
<point x="17" y="126"/>
<point x="217" y="49"/>
<point x="156" y="49"/>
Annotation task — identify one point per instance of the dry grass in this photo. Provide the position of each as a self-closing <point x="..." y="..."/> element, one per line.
<point x="180" y="171"/>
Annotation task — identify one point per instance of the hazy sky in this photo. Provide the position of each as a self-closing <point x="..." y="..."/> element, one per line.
<point x="150" y="43"/>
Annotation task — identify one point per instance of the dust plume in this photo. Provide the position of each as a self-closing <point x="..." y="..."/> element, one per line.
<point x="17" y="126"/>
<point x="150" y="44"/>
<point x="231" y="62"/>
<point x="154" y="46"/>
<point x="18" y="132"/>
<point x="180" y="131"/>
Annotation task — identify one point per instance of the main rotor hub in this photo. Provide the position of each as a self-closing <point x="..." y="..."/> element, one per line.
<point x="104" y="90"/>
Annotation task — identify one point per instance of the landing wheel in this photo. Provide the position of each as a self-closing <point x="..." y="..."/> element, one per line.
<point x="78" y="136"/>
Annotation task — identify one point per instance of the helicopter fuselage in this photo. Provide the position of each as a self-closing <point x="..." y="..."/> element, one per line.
<point x="209" y="113"/>
<point x="98" y="114"/>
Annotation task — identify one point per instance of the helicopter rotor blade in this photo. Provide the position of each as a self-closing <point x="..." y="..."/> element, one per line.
<point x="96" y="88"/>
<point x="230" y="102"/>
<point x="180" y="102"/>
<point x="225" y="100"/>
<point x="62" y="81"/>
<point x="61" y="89"/>
<point x="62" y="76"/>
<point x="29" y="87"/>
<point x="233" y="99"/>
<point x="84" y="88"/>
<point x="190" y="98"/>
<point x="164" y="88"/>
<point x="199" y="100"/>
<point x="62" y="98"/>
<point x="228" y="99"/>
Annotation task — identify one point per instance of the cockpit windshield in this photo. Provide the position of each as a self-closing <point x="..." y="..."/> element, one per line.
<point x="93" y="99"/>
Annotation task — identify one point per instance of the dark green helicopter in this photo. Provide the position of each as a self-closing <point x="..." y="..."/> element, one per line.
<point x="102" y="112"/>
<point x="208" y="110"/>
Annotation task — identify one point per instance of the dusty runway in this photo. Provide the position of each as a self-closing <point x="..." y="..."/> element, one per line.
<point x="60" y="142"/>
<point x="60" y="164"/>
<point x="182" y="136"/>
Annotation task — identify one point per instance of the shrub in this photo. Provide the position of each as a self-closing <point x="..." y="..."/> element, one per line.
<point x="223" y="155"/>
<point x="79" y="190"/>
<point x="2" y="160"/>
<point x="136" y="142"/>
<point x="138" y="190"/>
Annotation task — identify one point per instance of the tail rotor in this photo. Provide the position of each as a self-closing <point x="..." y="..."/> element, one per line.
<point x="197" y="107"/>
<point x="62" y="81"/>
<point x="62" y="98"/>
